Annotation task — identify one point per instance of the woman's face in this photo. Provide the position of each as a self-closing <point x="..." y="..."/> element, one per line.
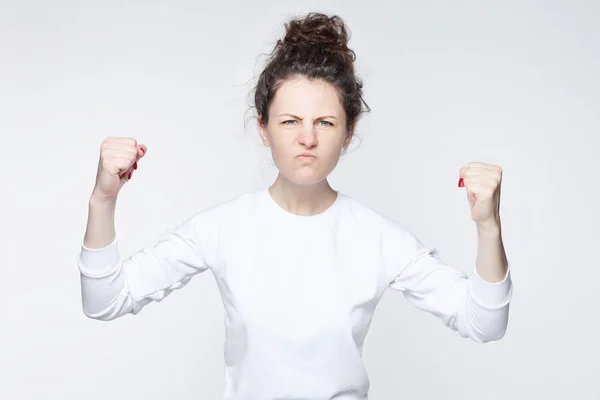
<point x="306" y="130"/>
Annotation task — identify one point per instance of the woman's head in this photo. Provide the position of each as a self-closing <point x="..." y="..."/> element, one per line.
<point x="308" y="98"/>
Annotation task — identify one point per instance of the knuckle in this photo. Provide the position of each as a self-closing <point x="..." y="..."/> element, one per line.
<point x="106" y="164"/>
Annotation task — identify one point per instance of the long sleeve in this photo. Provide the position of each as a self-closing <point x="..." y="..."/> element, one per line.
<point x="476" y="309"/>
<point x="111" y="288"/>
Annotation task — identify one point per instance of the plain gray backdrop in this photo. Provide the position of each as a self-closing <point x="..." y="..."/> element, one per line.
<point x="513" y="83"/>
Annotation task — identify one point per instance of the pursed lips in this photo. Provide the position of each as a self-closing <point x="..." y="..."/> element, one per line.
<point x="306" y="155"/>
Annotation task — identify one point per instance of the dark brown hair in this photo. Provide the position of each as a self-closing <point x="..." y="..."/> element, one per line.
<point x="314" y="47"/>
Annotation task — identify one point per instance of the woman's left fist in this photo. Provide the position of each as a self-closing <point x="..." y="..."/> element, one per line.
<point x="482" y="182"/>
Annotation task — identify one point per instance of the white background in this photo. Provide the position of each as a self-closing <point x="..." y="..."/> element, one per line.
<point x="514" y="83"/>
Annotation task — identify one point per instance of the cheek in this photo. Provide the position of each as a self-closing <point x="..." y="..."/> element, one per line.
<point x="333" y="143"/>
<point x="282" y="152"/>
<point x="280" y="146"/>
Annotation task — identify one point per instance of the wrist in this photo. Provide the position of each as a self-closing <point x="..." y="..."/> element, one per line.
<point x="98" y="201"/>
<point x="489" y="227"/>
<point x="100" y="198"/>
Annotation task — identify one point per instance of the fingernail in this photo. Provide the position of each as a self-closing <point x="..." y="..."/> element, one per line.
<point x="461" y="182"/>
<point x="129" y="177"/>
<point x="135" y="165"/>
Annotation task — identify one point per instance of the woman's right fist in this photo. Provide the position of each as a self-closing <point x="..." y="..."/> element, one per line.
<point x="118" y="160"/>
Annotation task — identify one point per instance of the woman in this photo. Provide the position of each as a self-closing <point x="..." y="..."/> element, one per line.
<point x="300" y="266"/>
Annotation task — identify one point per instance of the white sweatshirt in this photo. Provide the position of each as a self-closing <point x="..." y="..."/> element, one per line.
<point x="299" y="291"/>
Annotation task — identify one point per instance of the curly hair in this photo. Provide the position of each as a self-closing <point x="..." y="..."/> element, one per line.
<point x="315" y="47"/>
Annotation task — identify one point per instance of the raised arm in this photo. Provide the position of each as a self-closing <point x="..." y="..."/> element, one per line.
<point x="477" y="306"/>
<point x="112" y="287"/>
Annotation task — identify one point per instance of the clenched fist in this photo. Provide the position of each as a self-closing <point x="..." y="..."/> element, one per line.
<point x="483" y="182"/>
<point x="118" y="160"/>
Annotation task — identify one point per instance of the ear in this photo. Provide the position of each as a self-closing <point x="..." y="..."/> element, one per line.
<point x="348" y="138"/>
<point x="262" y="129"/>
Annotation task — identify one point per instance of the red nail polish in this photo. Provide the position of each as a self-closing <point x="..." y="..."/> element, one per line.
<point x="129" y="177"/>
<point x="461" y="182"/>
<point x="135" y="165"/>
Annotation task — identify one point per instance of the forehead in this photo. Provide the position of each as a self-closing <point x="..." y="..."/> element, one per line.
<point x="300" y="95"/>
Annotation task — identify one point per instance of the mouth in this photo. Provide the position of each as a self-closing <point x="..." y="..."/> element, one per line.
<point x="306" y="156"/>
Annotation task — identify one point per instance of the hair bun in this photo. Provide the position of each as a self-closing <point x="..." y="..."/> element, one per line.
<point x="315" y="46"/>
<point x="316" y="29"/>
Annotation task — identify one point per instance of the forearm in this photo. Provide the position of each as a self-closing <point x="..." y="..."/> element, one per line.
<point x="103" y="284"/>
<point x="102" y="280"/>
<point x="492" y="264"/>
<point x="486" y="312"/>
<point x="100" y="231"/>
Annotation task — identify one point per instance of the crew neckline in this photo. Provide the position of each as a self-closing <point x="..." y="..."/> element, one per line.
<point x="288" y="214"/>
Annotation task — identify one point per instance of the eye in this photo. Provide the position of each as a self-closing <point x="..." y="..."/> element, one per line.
<point x="325" y="123"/>
<point x="289" y="122"/>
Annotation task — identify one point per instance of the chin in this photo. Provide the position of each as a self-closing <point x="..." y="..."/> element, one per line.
<point x="305" y="177"/>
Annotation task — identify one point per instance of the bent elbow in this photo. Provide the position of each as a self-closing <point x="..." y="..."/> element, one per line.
<point x="485" y="325"/>
<point x="489" y="336"/>
<point x="104" y="312"/>
<point x="99" y="316"/>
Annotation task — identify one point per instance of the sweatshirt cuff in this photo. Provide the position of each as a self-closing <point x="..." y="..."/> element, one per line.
<point x="100" y="262"/>
<point x="491" y="295"/>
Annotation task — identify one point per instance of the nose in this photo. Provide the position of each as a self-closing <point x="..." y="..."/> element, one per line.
<point x="308" y="137"/>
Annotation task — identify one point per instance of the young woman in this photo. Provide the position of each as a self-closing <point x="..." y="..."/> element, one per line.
<point x="299" y="265"/>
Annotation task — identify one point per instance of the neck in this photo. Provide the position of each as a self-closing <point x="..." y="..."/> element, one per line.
<point x="302" y="200"/>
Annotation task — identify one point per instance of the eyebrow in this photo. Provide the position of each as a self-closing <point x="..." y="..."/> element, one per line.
<point x="289" y="115"/>
<point x="297" y="117"/>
